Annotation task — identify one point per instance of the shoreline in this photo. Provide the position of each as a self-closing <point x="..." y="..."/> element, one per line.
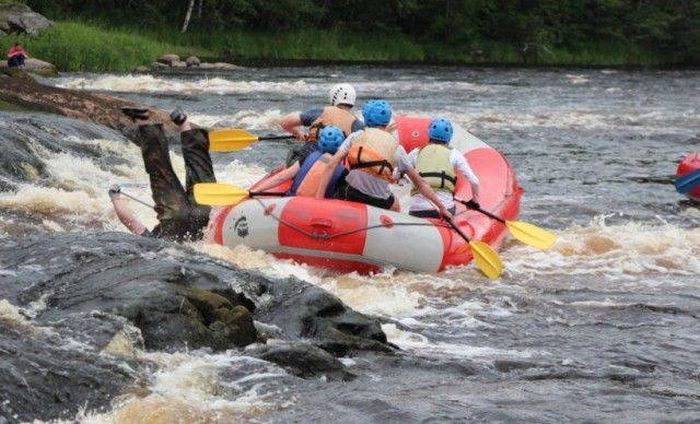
<point x="75" y="46"/>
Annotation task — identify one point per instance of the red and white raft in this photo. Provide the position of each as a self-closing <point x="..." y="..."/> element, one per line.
<point x="689" y="164"/>
<point x="347" y="236"/>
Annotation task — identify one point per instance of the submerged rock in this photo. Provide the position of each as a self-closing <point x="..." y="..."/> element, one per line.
<point x="19" y="18"/>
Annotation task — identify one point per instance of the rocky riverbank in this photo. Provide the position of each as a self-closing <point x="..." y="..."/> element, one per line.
<point x="116" y="295"/>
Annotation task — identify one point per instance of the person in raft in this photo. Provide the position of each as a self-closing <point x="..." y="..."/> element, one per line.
<point x="180" y="217"/>
<point x="16" y="56"/>
<point x="374" y="157"/>
<point x="307" y="170"/>
<point x="342" y="99"/>
<point x="438" y="165"/>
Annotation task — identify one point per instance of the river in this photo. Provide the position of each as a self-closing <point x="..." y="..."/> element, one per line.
<point x="601" y="328"/>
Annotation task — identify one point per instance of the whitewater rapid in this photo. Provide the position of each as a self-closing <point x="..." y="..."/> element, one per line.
<point x="594" y="150"/>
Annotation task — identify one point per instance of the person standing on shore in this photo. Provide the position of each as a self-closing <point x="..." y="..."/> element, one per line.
<point x="342" y="99"/>
<point x="16" y="56"/>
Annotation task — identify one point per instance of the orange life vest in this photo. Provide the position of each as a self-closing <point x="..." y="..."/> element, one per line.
<point x="335" y="116"/>
<point x="311" y="180"/>
<point x="373" y="151"/>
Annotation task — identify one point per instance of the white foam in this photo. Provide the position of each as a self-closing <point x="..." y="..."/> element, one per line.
<point x="152" y="84"/>
<point x="612" y="250"/>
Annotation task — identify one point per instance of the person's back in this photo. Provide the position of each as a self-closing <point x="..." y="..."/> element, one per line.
<point x="437" y="163"/>
<point x="307" y="180"/>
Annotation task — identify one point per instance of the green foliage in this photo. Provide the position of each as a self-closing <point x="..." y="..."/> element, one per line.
<point x="585" y="32"/>
<point x="78" y="47"/>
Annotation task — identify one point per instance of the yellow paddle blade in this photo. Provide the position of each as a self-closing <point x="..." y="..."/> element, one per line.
<point x="486" y="259"/>
<point x="230" y="140"/>
<point x="214" y="194"/>
<point x="531" y="234"/>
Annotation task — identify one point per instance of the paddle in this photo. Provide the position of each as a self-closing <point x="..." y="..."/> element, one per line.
<point x="232" y="139"/>
<point x="486" y="258"/>
<point x="216" y="194"/>
<point x="527" y="233"/>
<point x="688" y="182"/>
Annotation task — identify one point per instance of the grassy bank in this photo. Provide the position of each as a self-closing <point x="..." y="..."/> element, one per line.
<point x="75" y="46"/>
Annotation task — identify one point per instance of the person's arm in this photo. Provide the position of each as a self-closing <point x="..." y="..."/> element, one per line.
<point x="425" y="190"/>
<point x="292" y="124"/>
<point x="279" y="178"/>
<point x="462" y="166"/>
<point x="328" y="172"/>
<point x="125" y="215"/>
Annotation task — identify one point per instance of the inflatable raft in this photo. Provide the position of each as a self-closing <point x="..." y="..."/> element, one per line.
<point x="347" y="236"/>
<point x="689" y="164"/>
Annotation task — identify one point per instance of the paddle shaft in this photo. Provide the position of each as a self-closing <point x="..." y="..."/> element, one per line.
<point x="489" y="214"/>
<point x="277" y="137"/>
<point x="266" y="193"/>
<point x="456" y="228"/>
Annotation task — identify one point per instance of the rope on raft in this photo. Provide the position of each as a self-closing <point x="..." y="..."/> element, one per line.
<point x="325" y="236"/>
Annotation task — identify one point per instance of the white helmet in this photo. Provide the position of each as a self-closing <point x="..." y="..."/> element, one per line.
<point x="342" y="94"/>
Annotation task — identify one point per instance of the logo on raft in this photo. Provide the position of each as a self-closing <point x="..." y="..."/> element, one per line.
<point x="241" y="227"/>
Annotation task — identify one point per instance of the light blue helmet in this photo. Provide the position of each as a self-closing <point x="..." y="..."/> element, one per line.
<point x="441" y="130"/>
<point x="377" y="113"/>
<point x="329" y="139"/>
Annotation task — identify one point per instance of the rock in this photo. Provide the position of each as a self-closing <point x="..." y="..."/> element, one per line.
<point x="157" y="65"/>
<point x="193" y="61"/>
<point x="174" y="296"/>
<point x="37" y="368"/>
<point x="102" y="109"/>
<point x="220" y="66"/>
<point x="35" y="66"/>
<point x="304" y="311"/>
<point x="168" y="59"/>
<point x="301" y="359"/>
<point x="178" y="64"/>
<point x="19" y="18"/>
<point x="106" y="295"/>
<point x="141" y="69"/>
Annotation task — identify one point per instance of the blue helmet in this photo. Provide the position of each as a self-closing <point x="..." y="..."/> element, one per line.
<point x="329" y="139"/>
<point x="441" y="130"/>
<point x="377" y="113"/>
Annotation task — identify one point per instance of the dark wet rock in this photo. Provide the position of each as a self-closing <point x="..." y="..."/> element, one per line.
<point x="175" y="296"/>
<point x="41" y="378"/>
<point x="19" y="18"/>
<point x="193" y="61"/>
<point x="108" y="294"/>
<point x="102" y="109"/>
<point x="305" y="311"/>
<point x="168" y="59"/>
<point x="35" y="66"/>
<point x="301" y="359"/>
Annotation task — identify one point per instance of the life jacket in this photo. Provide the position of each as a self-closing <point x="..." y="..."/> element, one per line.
<point x="373" y="151"/>
<point x="335" y="116"/>
<point x="433" y="164"/>
<point x="306" y="181"/>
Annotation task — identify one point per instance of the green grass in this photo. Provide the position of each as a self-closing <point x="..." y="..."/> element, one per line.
<point x="77" y="46"/>
<point x="80" y="47"/>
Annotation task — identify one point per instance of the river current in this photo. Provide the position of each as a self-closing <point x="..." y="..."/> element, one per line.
<point x="603" y="327"/>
